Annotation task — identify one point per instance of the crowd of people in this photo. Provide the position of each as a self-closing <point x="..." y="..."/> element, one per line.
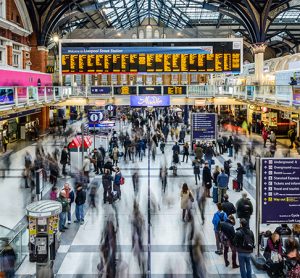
<point x="214" y="165"/>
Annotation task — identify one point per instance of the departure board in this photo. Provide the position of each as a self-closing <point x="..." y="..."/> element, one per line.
<point x="209" y="58"/>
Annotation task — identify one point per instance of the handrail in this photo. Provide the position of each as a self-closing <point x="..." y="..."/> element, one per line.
<point x="22" y="97"/>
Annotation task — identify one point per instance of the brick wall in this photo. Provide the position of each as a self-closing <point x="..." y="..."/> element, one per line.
<point x="38" y="58"/>
<point x="12" y="13"/>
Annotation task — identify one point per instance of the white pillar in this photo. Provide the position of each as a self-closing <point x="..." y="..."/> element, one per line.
<point x="259" y="52"/>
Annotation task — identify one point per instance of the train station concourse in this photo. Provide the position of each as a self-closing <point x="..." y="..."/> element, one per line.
<point x="155" y="138"/>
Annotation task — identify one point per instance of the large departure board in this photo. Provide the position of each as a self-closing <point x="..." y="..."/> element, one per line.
<point x="209" y="58"/>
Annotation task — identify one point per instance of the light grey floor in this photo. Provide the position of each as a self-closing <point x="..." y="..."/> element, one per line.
<point x="78" y="254"/>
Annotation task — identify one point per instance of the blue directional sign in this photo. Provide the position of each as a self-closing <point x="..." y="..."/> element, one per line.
<point x="95" y="116"/>
<point x="204" y="126"/>
<point x="280" y="190"/>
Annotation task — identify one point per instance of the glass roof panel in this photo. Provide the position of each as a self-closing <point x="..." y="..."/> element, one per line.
<point x="171" y="13"/>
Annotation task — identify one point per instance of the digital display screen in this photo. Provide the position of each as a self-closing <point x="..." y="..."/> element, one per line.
<point x="213" y="57"/>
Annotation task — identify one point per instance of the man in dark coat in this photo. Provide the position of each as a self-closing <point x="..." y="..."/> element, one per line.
<point x="227" y="206"/>
<point x="227" y="236"/>
<point x="64" y="159"/>
<point x="244" y="208"/>
<point x="107" y="186"/>
<point x="206" y="178"/>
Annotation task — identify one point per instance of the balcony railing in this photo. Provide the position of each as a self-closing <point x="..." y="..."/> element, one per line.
<point x="13" y="97"/>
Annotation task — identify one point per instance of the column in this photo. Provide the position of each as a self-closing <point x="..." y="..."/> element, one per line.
<point x="259" y="52"/>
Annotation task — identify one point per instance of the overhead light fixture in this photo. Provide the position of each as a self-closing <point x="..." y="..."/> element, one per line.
<point x="119" y="34"/>
<point x="55" y="38"/>
<point x="179" y="34"/>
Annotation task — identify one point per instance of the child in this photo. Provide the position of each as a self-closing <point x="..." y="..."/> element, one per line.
<point x="53" y="193"/>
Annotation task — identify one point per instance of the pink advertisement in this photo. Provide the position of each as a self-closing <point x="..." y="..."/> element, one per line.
<point x="22" y="78"/>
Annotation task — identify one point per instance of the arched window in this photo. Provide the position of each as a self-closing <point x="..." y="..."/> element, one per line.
<point x="163" y="36"/>
<point x="134" y="36"/>
<point x="156" y="34"/>
<point x="3" y="8"/>
<point x="141" y="34"/>
<point x="149" y="32"/>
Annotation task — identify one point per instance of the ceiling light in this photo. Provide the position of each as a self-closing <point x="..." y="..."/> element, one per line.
<point x="55" y="38"/>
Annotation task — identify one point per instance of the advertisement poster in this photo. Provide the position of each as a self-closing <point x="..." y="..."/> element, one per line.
<point x="280" y="187"/>
<point x="149" y="101"/>
<point x="6" y="96"/>
<point x="204" y="126"/>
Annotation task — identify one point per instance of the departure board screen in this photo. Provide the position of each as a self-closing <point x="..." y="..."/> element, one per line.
<point x="209" y="58"/>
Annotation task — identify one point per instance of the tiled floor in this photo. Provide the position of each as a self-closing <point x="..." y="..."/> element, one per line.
<point x="78" y="254"/>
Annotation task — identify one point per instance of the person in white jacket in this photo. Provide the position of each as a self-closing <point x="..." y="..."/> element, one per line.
<point x="86" y="167"/>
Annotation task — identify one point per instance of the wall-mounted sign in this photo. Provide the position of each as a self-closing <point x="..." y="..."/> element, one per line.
<point x="97" y="90"/>
<point x="138" y="101"/>
<point x="6" y="96"/>
<point x="280" y="187"/>
<point x="149" y="90"/>
<point x="124" y="90"/>
<point x="50" y="69"/>
<point x="174" y="90"/>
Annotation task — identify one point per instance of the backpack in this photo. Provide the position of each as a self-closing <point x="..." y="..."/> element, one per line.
<point x="248" y="243"/>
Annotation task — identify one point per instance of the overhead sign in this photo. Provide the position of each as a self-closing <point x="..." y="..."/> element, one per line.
<point x="149" y="90"/>
<point x="117" y="56"/>
<point x="104" y="124"/>
<point x="204" y="126"/>
<point x="95" y="116"/>
<point x="110" y="107"/>
<point x="280" y="187"/>
<point x="138" y="101"/>
<point x="174" y="90"/>
<point x="124" y="90"/>
<point x="97" y="90"/>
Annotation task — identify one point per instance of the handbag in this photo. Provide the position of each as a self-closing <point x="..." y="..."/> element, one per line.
<point x="191" y="198"/>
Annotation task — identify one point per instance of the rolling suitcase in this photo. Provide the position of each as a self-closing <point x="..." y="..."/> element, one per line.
<point x="235" y="185"/>
<point x="215" y="194"/>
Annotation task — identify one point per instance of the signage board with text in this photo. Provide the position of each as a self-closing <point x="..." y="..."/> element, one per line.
<point x="280" y="190"/>
<point x="204" y="126"/>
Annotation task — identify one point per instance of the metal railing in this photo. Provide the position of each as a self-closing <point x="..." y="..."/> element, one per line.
<point x="18" y="239"/>
<point x="29" y="96"/>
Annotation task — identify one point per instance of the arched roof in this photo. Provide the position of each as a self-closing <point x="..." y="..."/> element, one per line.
<point x="272" y="21"/>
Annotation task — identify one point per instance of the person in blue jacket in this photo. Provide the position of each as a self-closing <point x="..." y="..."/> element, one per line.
<point x="117" y="182"/>
<point x="222" y="182"/>
<point x="219" y="216"/>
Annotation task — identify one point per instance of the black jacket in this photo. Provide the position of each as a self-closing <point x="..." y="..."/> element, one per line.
<point x="239" y="239"/>
<point x="228" y="207"/>
<point x="228" y="230"/>
<point x="80" y="197"/>
<point x="64" y="157"/>
<point x="206" y="177"/>
<point x="244" y="208"/>
<point x="107" y="180"/>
